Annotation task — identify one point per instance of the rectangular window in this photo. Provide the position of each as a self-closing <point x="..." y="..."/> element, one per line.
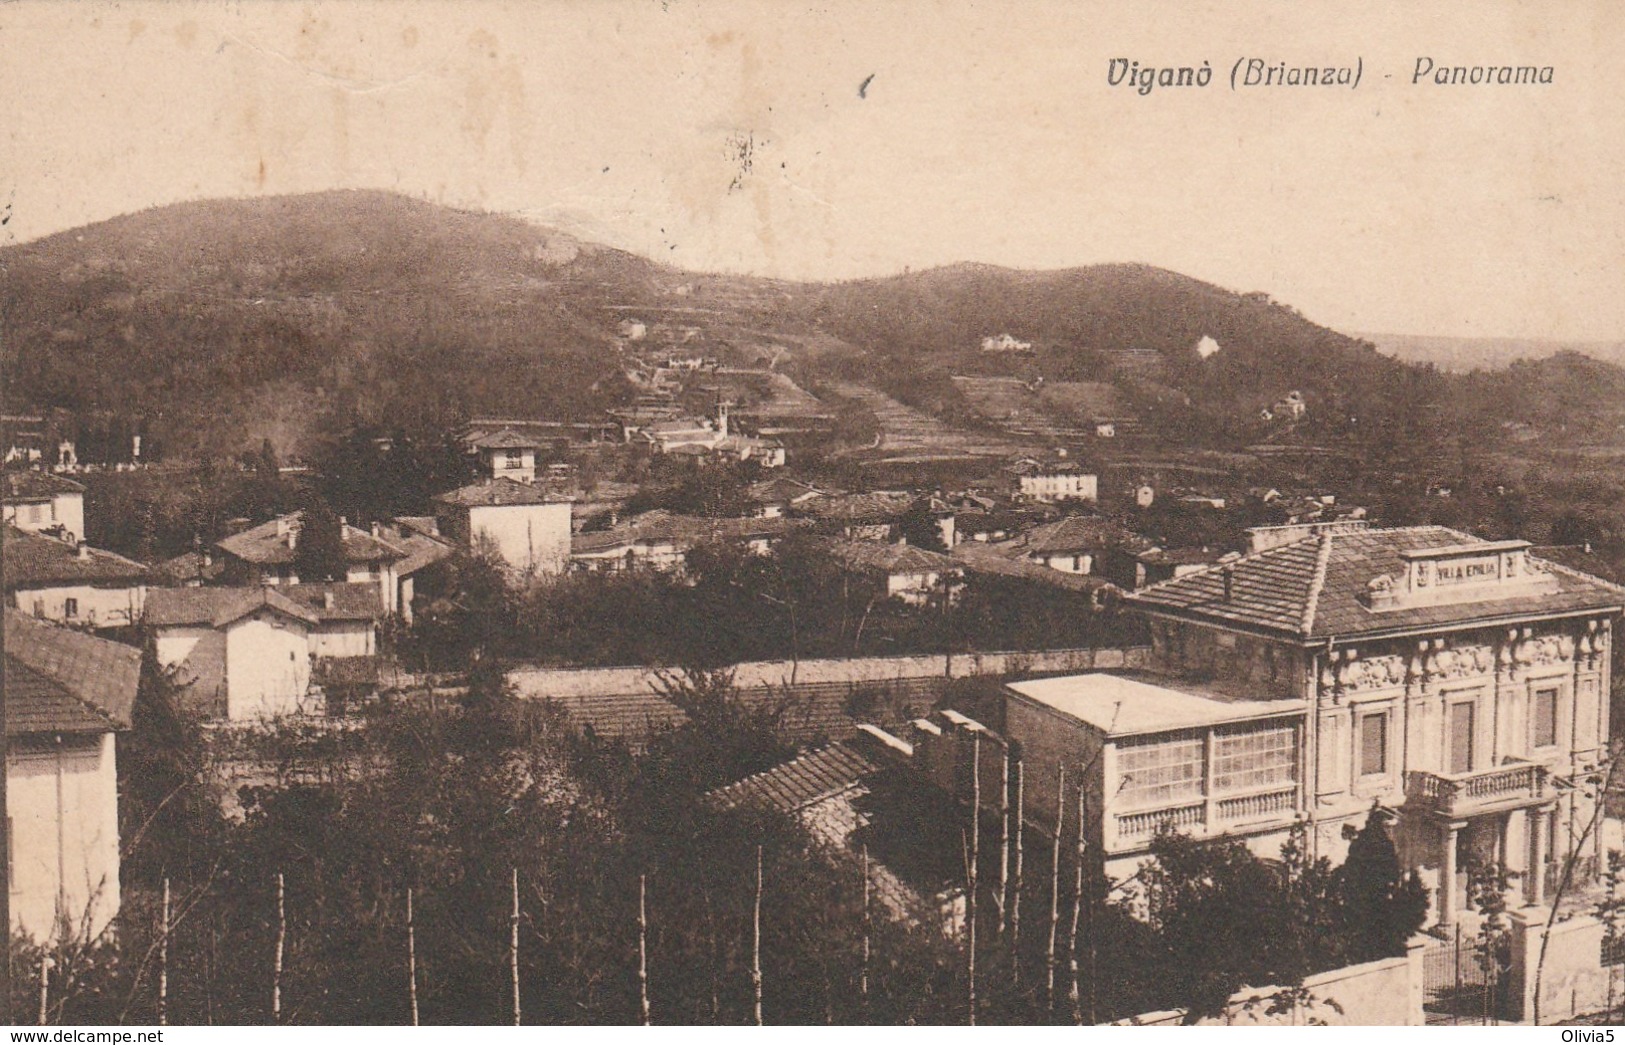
<point x="1255" y="759"/>
<point x="1161" y="771"/>
<point x="513" y="458"/>
<point x="1461" y="738"/>
<point x="1374" y="743"/>
<point x="70" y="607"/>
<point x="1545" y="718"/>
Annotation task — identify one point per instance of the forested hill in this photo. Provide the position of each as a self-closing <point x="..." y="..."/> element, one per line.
<point x="217" y="324"/>
<point x="228" y="321"/>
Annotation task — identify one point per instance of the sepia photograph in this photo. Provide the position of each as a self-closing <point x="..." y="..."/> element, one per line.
<point x="597" y="513"/>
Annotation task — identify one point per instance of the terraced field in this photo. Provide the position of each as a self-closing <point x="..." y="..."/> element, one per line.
<point x="909" y="436"/>
<point x="1060" y="411"/>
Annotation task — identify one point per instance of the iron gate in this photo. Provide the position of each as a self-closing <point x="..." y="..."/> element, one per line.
<point x="1460" y="982"/>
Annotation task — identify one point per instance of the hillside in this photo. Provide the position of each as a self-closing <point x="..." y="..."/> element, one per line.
<point x="1568" y="398"/>
<point x="223" y="322"/>
<point x="1137" y="327"/>
<point x="216" y="324"/>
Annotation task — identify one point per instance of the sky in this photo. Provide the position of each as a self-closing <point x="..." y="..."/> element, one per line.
<point x="844" y="139"/>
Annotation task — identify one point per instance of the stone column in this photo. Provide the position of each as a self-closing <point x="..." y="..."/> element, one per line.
<point x="1535" y="887"/>
<point x="1447" y="875"/>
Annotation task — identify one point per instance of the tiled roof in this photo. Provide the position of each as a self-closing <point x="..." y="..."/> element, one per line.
<point x="1184" y="556"/>
<point x="60" y="680"/>
<point x="497" y="493"/>
<point x="217" y="607"/>
<point x="263" y="545"/>
<point x="661" y="526"/>
<point x="632" y="717"/>
<point x="858" y="507"/>
<point x="1077" y="533"/>
<point x="424" y="524"/>
<point x="35" y="704"/>
<point x="782" y="491"/>
<point x="31" y="561"/>
<point x="187" y="568"/>
<point x="1313" y="588"/>
<point x="36" y="486"/>
<point x="977" y="556"/>
<point x="350" y="601"/>
<point x="506" y="439"/>
<point x="891" y="558"/>
<point x="814" y="711"/>
<point x="421" y="549"/>
<point x="1583" y="560"/>
<point x="801" y="781"/>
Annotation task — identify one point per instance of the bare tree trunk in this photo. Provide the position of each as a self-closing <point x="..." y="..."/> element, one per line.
<point x="1015" y="885"/>
<point x="44" y="988"/>
<point x="1055" y="884"/>
<point x="163" y="961"/>
<point x="1003" y="896"/>
<point x="281" y="943"/>
<point x="863" y="972"/>
<point x="643" y="950"/>
<point x="513" y="946"/>
<point x="756" y="940"/>
<point x="970" y="869"/>
<point x="411" y="957"/>
<point x="1072" y="935"/>
<point x="1570" y="859"/>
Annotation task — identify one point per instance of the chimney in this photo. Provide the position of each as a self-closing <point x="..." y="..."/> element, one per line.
<point x="376" y="529"/>
<point x="1229" y="574"/>
<point x="344" y="520"/>
<point x="208" y="558"/>
<point x="327" y="600"/>
<point x="292" y="538"/>
<point x="82" y="552"/>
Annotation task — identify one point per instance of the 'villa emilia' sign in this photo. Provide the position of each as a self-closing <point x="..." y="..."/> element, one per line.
<point x="1467" y="571"/>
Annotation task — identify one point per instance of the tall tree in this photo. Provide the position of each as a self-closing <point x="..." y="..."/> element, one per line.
<point x="319" y="554"/>
<point x="1383" y="906"/>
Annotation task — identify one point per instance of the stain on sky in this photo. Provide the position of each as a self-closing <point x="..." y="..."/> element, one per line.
<point x="863" y="88"/>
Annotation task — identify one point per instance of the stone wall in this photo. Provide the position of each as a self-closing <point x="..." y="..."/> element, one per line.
<point x="560" y="683"/>
<point x="1386" y="993"/>
<point x="1572" y="981"/>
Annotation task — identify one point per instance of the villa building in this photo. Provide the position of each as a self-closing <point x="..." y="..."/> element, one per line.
<point x="1461" y="686"/>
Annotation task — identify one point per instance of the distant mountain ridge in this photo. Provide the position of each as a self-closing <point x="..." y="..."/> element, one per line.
<point x="1461" y="354"/>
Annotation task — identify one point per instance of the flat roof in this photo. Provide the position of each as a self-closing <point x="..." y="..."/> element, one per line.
<point x="1120" y="706"/>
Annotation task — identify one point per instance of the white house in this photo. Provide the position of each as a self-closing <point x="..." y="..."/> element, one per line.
<point x="913" y="575"/>
<point x="66" y="695"/>
<point x="1005" y="343"/>
<point x="243" y="653"/>
<point x="81" y="586"/>
<point x="660" y="540"/>
<point x="505" y="454"/>
<point x="39" y="502"/>
<point x="1058" y="480"/>
<point x="527" y="526"/>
